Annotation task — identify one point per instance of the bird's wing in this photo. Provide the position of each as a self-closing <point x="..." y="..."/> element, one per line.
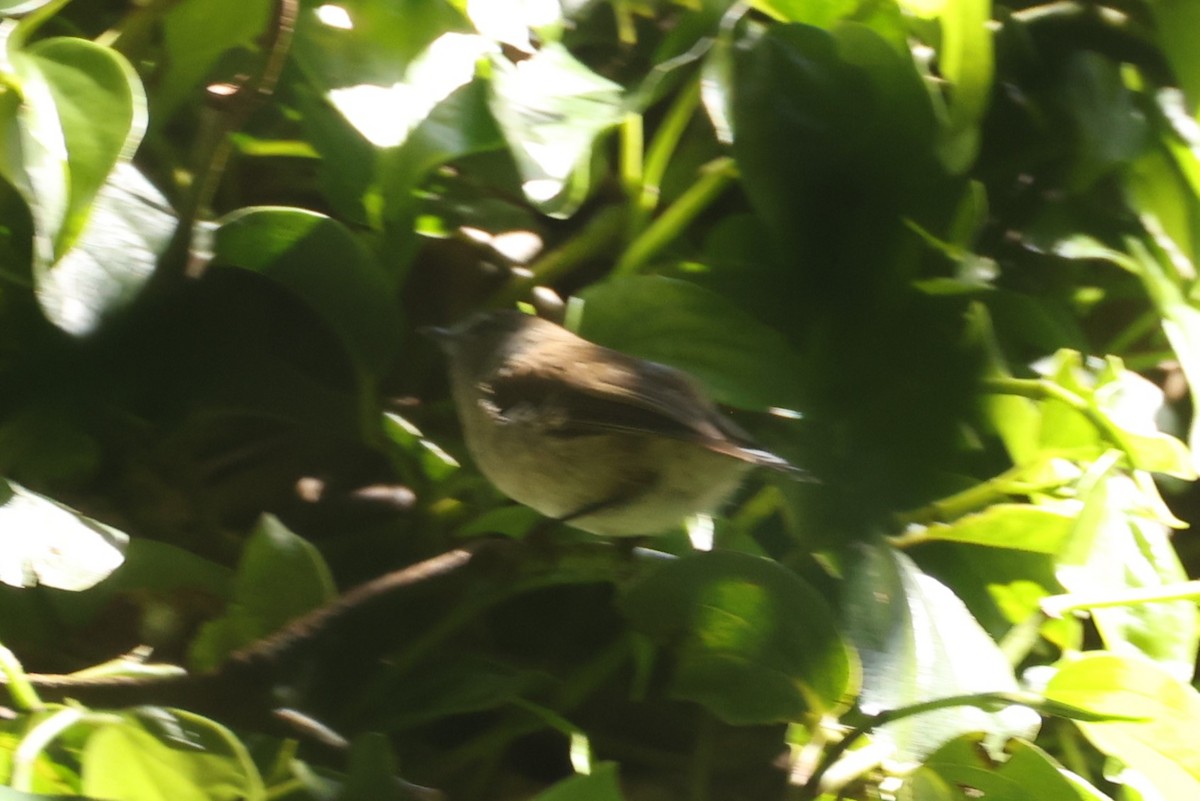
<point x="622" y="394"/>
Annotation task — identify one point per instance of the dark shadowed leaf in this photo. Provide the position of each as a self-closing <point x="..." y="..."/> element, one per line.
<point x="740" y="361"/>
<point x="754" y="642"/>
<point x="322" y="263"/>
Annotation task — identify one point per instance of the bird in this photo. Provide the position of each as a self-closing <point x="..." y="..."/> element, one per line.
<point x="605" y="442"/>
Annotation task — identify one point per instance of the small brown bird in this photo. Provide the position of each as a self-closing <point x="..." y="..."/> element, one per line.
<point x="611" y="444"/>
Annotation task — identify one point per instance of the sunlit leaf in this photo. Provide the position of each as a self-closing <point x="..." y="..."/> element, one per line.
<point x="1162" y="745"/>
<point x="1009" y="525"/>
<point x="101" y="106"/>
<point x="125" y="761"/>
<point x="822" y="14"/>
<point x="964" y="770"/>
<point x="1114" y="547"/>
<point x="47" y="543"/>
<point x="918" y="642"/>
<point x="552" y="108"/>
<point x="510" y="21"/>
<point x="386" y="115"/>
<point x="127" y="230"/>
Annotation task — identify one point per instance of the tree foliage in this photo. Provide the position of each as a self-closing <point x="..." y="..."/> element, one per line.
<point x="940" y="253"/>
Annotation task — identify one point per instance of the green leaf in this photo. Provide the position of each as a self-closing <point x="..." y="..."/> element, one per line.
<point x="458" y="126"/>
<point x="600" y="785"/>
<point x="372" y="774"/>
<point x="370" y="42"/>
<point x="15" y="7"/>
<point x="965" y="60"/>
<point x="45" y="543"/>
<point x="1128" y="402"/>
<point x="1174" y="23"/>
<point x="128" y="228"/>
<point x="1040" y="529"/>
<point x="822" y="14"/>
<point x="8" y="794"/>
<point x="1162" y="746"/>
<point x="435" y="462"/>
<point x="1114" y="547"/>
<point x="824" y="118"/>
<point x="1110" y="129"/>
<point x="82" y="110"/>
<point x="124" y="762"/>
<point x="322" y="263"/>
<point x="511" y="21"/>
<point x="197" y="34"/>
<point x="387" y="115"/>
<point x="101" y="109"/>
<point x="918" y="642"/>
<point x="739" y="360"/>
<point x="753" y="642"/>
<point x="450" y="685"/>
<point x="925" y="784"/>
<point x="280" y="577"/>
<point x="963" y="771"/>
<point x="552" y="108"/>
<point x="1181" y="324"/>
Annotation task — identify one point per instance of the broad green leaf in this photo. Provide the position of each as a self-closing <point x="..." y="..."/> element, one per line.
<point x="197" y="34"/>
<point x="1162" y="745"/>
<point x="45" y="543"/>
<point x="964" y="770"/>
<point x="1158" y="191"/>
<point x="552" y="108"/>
<point x="1040" y="529"/>
<point x="101" y="107"/>
<point x="925" y="784"/>
<point x="9" y="794"/>
<point x="821" y="13"/>
<point x="348" y="161"/>
<point x="835" y="138"/>
<point x="367" y="42"/>
<point x="753" y="642"/>
<point x="387" y="115"/>
<point x="1115" y="546"/>
<point x="1002" y="587"/>
<point x="510" y="21"/>
<point x="128" y="228"/>
<point x="458" y="126"/>
<point x="1174" y="23"/>
<point x="1181" y="324"/>
<point x="918" y="642"/>
<point x="965" y="60"/>
<point x="35" y="157"/>
<point x="326" y="267"/>
<point x="740" y="361"/>
<point x="372" y="774"/>
<point x="125" y="762"/>
<point x="15" y="7"/>
<point x="1130" y="404"/>
<point x="280" y="577"/>
<point x="600" y="785"/>
<point x="1110" y="130"/>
